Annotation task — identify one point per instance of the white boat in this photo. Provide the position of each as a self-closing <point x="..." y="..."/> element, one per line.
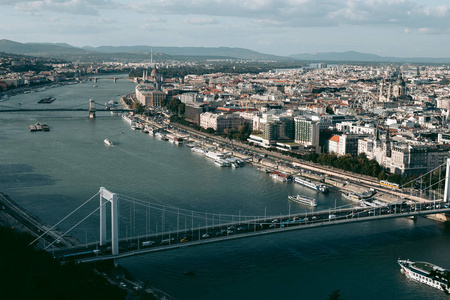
<point x="308" y="183"/>
<point x="303" y="200"/>
<point x="426" y="273"/>
<point x="283" y="177"/>
<point x="160" y="135"/>
<point x="214" y="155"/>
<point x="108" y="142"/>
<point x="222" y="163"/>
<point x="198" y="150"/>
<point x="127" y="118"/>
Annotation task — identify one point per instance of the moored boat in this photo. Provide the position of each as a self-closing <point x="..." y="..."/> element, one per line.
<point x="426" y="273"/>
<point x="303" y="200"/>
<point x="280" y="176"/>
<point x="308" y="183"/>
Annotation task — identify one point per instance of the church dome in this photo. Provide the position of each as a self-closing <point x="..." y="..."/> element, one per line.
<point x="400" y="80"/>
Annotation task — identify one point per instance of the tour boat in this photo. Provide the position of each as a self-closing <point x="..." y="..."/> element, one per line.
<point x="426" y="273"/>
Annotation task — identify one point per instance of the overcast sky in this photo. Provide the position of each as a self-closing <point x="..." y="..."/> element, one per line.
<point x="402" y="28"/>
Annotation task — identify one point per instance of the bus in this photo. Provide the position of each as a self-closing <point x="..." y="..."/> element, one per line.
<point x="389" y="184"/>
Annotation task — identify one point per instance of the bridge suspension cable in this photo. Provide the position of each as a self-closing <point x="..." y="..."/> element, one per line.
<point x="76" y="209"/>
<point x="82" y="220"/>
<point x="421" y="176"/>
<point x="173" y="209"/>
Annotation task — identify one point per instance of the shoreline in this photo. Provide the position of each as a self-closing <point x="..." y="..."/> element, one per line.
<point x="338" y="185"/>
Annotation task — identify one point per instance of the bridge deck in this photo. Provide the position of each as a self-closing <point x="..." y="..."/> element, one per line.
<point x="263" y="227"/>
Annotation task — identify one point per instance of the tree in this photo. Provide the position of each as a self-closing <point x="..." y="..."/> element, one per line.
<point x="173" y="105"/>
<point x="138" y="108"/>
<point x="210" y="130"/>
<point x="329" y="110"/>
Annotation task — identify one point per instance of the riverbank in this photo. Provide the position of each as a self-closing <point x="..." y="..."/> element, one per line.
<point x="261" y="160"/>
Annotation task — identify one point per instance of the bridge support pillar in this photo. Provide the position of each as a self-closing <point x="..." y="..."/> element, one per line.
<point x="447" y="181"/>
<point x="105" y="197"/>
<point x="115" y="79"/>
<point x="91" y="109"/>
<point x="95" y="79"/>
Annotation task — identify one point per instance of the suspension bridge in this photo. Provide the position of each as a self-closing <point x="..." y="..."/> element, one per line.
<point x="136" y="226"/>
<point x="92" y="108"/>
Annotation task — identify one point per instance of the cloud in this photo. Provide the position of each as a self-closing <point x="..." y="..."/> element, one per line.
<point x="199" y="21"/>
<point x="77" y="7"/>
<point x="157" y="20"/>
<point x="308" y="13"/>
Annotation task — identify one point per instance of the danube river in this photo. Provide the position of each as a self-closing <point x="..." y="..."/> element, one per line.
<point x="52" y="173"/>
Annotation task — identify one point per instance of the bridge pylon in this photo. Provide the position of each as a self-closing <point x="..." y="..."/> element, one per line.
<point x="92" y="109"/>
<point x="447" y="181"/>
<point x="113" y="198"/>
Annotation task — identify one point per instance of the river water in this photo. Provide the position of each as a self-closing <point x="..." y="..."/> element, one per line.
<point x="52" y="173"/>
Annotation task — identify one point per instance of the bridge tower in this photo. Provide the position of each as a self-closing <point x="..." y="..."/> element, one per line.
<point x="91" y="108"/>
<point x="106" y="196"/>
<point x="447" y="182"/>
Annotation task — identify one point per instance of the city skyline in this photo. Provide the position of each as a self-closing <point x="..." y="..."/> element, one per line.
<point x="400" y="28"/>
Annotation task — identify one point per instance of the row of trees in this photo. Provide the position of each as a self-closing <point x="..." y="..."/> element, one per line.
<point x="360" y="165"/>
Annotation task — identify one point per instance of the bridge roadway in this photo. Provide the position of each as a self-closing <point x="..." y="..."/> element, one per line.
<point x="61" y="109"/>
<point x="244" y="229"/>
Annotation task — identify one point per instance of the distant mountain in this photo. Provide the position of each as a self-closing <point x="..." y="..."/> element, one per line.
<point x="353" y="56"/>
<point x="133" y="53"/>
<point x="226" y="52"/>
<point x="39" y="49"/>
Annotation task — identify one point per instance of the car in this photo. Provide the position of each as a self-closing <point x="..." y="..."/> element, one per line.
<point x="241" y="229"/>
<point x="183" y="240"/>
<point x="122" y="284"/>
<point x="167" y="241"/>
<point x="205" y="235"/>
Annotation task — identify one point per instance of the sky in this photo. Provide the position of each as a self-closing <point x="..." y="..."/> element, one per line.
<point x="401" y="28"/>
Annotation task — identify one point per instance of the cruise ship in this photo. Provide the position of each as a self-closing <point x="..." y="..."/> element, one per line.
<point x="308" y="183"/>
<point x="426" y="273"/>
<point x="303" y="200"/>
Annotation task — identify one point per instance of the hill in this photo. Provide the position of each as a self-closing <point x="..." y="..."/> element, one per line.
<point x="39" y="49"/>
<point x="132" y="53"/>
<point x="217" y="52"/>
<point x="353" y="56"/>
